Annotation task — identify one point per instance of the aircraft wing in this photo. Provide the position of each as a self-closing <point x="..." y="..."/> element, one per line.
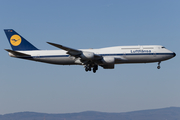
<point x="73" y="52"/>
<point x="17" y="53"/>
<point x="70" y="51"/>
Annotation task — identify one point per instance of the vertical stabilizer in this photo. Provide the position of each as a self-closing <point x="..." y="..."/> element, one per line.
<point x="17" y="42"/>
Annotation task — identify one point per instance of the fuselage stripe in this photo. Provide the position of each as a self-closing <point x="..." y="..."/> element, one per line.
<point x="125" y="54"/>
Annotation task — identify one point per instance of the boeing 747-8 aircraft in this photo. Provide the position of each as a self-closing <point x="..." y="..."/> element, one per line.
<point x="89" y="58"/>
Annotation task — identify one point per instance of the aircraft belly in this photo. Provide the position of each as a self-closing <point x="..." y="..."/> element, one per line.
<point x="56" y="60"/>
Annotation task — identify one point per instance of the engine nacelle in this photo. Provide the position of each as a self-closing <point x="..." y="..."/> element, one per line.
<point x="108" y="60"/>
<point x="87" y="55"/>
<point x="108" y="66"/>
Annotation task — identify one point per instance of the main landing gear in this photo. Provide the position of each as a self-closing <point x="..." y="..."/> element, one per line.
<point x="158" y="67"/>
<point x="89" y="66"/>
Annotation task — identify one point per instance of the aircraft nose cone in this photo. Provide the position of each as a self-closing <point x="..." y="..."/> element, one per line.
<point x="174" y="54"/>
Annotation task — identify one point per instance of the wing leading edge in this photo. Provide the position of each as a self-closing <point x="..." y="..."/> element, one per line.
<point x="70" y="51"/>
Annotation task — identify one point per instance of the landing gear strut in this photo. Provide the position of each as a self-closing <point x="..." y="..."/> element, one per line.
<point x="158" y="67"/>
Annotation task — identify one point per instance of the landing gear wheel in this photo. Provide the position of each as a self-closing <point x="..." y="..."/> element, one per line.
<point x="95" y="68"/>
<point x="89" y="66"/>
<point x="86" y="69"/>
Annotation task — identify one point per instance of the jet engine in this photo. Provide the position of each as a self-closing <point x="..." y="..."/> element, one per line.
<point x="87" y="56"/>
<point x="108" y="62"/>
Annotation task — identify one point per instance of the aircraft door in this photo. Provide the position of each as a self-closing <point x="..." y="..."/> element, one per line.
<point x="154" y="54"/>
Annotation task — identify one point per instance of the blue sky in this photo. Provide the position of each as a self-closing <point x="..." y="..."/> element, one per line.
<point x="39" y="87"/>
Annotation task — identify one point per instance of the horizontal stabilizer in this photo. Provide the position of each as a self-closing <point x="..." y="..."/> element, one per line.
<point x="17" y="53"/>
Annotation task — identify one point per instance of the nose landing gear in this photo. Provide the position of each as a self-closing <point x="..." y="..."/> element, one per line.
<point x="158" y="67"/>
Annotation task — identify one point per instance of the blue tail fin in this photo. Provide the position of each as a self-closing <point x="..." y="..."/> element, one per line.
<point x="17" y="42"/>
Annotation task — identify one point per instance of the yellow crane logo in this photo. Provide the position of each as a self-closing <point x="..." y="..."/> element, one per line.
<point x="15" y="40"/>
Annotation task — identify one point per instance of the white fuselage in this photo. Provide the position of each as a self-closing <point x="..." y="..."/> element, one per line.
<point x="121" y="54"/>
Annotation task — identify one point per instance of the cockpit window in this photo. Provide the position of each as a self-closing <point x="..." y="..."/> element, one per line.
<point x="162" y="47"/>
